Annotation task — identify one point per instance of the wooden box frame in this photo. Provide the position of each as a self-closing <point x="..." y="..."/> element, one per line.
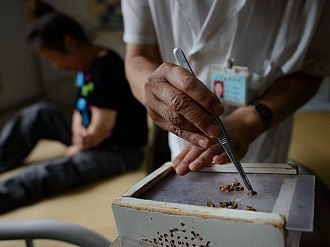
<point x="173" y="224"/>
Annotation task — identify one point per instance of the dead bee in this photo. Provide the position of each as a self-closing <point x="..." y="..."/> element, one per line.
<point x="228" y="204"/>
<point x="235" y="183"/>
<point x="225" y="204"/>
<point x="234" y="204"/>
<point x="250" y="208"/>
<point x="239" y="188"/>
<point x="234" y="186"/>
<point x="224" y="187"/>
<point x="210" y="204"/>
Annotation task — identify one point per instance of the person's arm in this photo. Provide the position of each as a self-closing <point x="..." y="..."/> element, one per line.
<point x="102" y="122"/>
<point x="284" y="97"/>
<point x="176" y="100"/>
<point x="288" y="94"/>
<point x="140" y="62"/>
<point x="76" y="128"/>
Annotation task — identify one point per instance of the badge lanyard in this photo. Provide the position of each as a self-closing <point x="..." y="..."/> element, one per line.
<point x="229" y="82"/>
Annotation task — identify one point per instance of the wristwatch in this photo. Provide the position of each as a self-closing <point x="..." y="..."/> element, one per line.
<point x="264" y="113"/>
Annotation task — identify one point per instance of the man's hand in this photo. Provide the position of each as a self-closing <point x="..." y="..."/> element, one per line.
<point x="193" y="158"/>
<point x="243" y="126"/>
<point x="175" y="99"/>
<point x="102" y="122"/>
<point x="178" y="102"/>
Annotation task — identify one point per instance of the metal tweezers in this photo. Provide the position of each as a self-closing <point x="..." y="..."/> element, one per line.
<point x="223" y="137"/>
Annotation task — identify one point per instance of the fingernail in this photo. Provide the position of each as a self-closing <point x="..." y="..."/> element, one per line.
<point x="181" y="169"/>
<point x="202" y="143"/>
<point x="212" y="130"/>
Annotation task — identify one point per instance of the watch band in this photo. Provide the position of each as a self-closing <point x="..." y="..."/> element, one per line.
<point x="264" y="113"/>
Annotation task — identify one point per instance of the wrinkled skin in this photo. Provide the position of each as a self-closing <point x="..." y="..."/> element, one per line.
<point x="171" y="96"/>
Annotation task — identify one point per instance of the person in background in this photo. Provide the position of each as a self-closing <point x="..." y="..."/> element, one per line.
<point x="284" y="45"/>
<point x="106" y="134"/>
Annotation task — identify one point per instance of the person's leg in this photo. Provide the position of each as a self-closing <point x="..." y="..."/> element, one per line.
<point x="21" y="133"/>
<point x="47" y="178"/>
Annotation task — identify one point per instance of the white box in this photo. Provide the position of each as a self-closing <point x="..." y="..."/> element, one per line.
<point x="170" y="222"/>
<point x="124" y="241"/>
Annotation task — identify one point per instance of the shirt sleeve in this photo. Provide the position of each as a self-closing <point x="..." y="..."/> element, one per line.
<point x="317" y="61"/>
<point x="138" y="25"/>
<point x="110" y="85"/>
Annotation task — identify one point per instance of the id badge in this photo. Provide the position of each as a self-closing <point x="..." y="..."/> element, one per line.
<point x="230" y="84"/>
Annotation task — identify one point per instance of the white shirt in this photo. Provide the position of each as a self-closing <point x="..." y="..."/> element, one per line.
<point x="271" y="38"/>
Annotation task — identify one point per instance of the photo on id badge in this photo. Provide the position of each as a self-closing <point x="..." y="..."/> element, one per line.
<point x="219" y="89"/>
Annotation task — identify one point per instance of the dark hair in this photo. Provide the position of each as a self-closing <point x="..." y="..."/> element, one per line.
<point x="49" y="27"/>
<point x="36" y="8"/>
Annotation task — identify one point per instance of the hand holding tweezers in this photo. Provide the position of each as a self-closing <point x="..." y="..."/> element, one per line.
<point x="223" y="137"/>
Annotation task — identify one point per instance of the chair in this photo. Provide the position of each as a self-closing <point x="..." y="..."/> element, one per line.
<point x="30" y="230"/>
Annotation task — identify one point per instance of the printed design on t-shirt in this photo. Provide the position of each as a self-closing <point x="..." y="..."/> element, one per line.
<point x="85" y="90"/>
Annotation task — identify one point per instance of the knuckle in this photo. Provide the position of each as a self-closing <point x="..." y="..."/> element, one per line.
<point x="148" y="88"/>
<point x="207" y="157"/>
<point x="166" y="66"/>
<point x="175" y="118"/>
<point x="175" y="130"/>
<point x="178" y="102"/>
<point x="203" y="160"/>
<point x="148" y="83"/>
<point x="188" y="83"/>
<point x="187" y="135"/>
<point x="158" y="76"/>
<point x="216" y="146"/>
<point x="197" y="119"/>
<point x="186" y="80"/>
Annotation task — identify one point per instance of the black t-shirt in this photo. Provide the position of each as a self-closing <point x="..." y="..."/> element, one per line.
<point x="106" y="86"/>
